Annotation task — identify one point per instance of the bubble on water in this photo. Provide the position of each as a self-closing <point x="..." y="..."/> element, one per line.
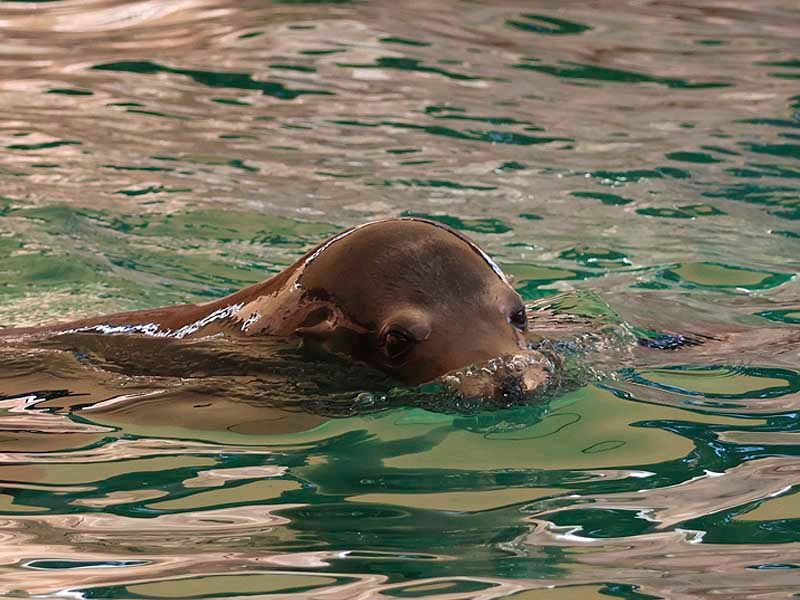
<point x="365" y="399"/>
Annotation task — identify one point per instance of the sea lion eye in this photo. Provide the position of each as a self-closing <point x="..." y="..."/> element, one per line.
<point x="396" y="344"/>
<point x="519" y="319"/>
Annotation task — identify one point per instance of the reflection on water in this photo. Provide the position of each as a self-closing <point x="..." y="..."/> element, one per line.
<point x="635" y="168"/>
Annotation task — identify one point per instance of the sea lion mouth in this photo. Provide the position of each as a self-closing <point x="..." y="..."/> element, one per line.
<point x="505" y="381"/>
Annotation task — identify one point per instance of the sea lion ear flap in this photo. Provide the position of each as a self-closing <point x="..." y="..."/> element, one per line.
<point x="319" y="324"/>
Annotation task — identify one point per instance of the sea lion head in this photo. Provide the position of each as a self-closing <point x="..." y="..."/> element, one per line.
<point x="421" y="302"/>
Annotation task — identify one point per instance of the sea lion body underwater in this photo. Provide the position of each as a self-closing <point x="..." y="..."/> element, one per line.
<point x="411" y="297"/>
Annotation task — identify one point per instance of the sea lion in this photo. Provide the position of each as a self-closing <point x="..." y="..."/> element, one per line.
<point x="411" y="297"/>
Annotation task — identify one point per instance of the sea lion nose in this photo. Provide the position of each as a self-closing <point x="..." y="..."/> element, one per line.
<point x="511" y="390"/>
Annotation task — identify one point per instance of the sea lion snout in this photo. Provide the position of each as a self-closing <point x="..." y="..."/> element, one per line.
<point x="503" y="381"/>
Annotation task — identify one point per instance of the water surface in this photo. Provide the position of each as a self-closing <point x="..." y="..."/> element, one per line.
<point x="640" y="158"/>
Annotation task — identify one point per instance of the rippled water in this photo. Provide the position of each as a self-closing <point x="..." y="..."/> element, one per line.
<point x="638" y="158"/>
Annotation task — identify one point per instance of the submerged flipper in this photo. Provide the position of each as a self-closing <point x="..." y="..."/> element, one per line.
<point x="672" y="341"/>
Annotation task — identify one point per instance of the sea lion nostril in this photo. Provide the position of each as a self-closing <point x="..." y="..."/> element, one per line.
<point x="511" y="390"/>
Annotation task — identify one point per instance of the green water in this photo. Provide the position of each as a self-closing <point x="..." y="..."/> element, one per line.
<point x="636" y="165"/>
